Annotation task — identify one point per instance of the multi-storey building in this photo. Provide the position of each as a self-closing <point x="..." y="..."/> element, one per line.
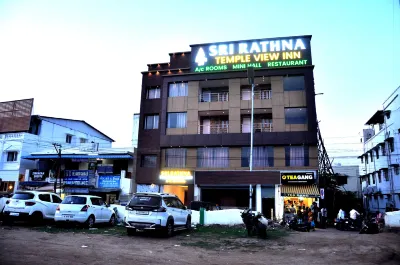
<point x="195" y="124"/>
<point x="22" y="133"/>
<point x="380" y="161"/>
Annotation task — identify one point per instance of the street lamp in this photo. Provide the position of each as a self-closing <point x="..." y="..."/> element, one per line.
<point x="250" y="76"/>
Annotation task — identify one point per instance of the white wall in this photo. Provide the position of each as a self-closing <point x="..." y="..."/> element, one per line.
<point x="353" y="180"/>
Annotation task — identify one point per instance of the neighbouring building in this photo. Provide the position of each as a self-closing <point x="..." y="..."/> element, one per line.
<point x="195" y="124"/>
<point x="87" y="169"/>
<point x="22" y="133"/>
<point x="352" y="180"/>
<point x="381" y="158"/>
<point x="135" y="133"/>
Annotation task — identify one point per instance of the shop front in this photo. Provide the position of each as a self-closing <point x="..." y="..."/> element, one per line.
<point x="298" y="191"/>
<point x="177" y="182"/>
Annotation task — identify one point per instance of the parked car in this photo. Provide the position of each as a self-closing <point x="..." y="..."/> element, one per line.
<point x="3" y="199"/>
<point x="33" y="206"/>
<point x="84" y="209"/>
<point x="156" y="211"/>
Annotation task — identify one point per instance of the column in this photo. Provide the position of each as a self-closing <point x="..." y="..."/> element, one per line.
<point x="196" y="193"/>
<point x="258" y="198"/>
<point x="278" y="203"/>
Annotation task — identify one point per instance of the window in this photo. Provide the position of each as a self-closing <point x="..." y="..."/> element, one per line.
<point x="178" y="90"/>
<point x="175" y="157"/>
<point x="95" y="201"/>
<point x="296" y="115"/>
<point x="83" y="140"/>
<point x="56" y="199"/>
<point x="263" y="156"/>
<point x="44" y="197"/>
<point x="74" y="200"/>
<point x="151" y="122"/>
<point x="12" y="156"/>
<point x="149" y="161"/>
<point x="153" y="93"/>
<point x="176" y="120"/>
<point x="217" y="157"/>
<point x="68" y="139"/>
<point x="23" y="196"/>
<point x="151" y="201"/>
<point x="296" y="156"/>
<point x="293" y="83"/>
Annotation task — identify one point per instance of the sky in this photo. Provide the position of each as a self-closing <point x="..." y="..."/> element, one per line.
<point x="82" y="59"/>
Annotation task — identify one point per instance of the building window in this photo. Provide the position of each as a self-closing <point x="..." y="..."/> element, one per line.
<point x="151" y="122"/>
<point x="178" y="90"/>
<point x="68" y="139"/>
<point x="373" y="178"/>
<point x="396" y="170"/>
<point x="297" y="156"/>
<point x="12" y="156"/>
<point x="293" y="83"/>
<point x="6" y="186"/>
<point x="175" y="157"/>
<point x="217" y="157"/>
<point x="296" y="115"/>
<point x="176" y="120"/>
<point x="263" y="156"/>
<point x="149" y="161"/>
<point x="153" y="93"/>
<point x="83" y="140"/>
<point x="379" y="177"/>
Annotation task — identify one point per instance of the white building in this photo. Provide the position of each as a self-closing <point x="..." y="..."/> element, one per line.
<point x="353" y="178"/>
<point x="381" y="158"/>
<point x="135" y="134"/>
<point x="43" y="132"/>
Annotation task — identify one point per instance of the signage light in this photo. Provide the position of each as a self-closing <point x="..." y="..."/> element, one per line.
<point x="176" y="176"/>
<point x="261" y="54"/>
<point x="297" y="178"/>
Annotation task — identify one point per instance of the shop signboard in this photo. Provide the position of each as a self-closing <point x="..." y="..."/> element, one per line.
<point x="76" y="177"/>
<point x="304" y="178"/>
<point x="109" y="181"/>
<point x="176" y="176"/>
<point x="38" y="175"/>
<point x="259" y="54"/>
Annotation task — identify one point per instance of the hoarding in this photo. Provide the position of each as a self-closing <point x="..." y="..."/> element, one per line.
<point x="298" y="178"/>
<point x="109" y="181"/>
<point x="260" y="54"/>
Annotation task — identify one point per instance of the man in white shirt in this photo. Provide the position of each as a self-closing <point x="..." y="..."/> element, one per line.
<point x="340" y="214"/>
<point x="354" y="214"/>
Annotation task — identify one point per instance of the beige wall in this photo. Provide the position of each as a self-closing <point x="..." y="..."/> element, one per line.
<point x="280" y="100"/>
<point x="235" y="154"/>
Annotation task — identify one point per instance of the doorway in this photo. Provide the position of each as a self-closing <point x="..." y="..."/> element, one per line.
<point x="178" y="190"/>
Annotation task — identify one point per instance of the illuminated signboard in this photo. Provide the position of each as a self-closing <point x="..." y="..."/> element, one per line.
<point x="260" y="54"/>
<point x="297" y="178"/>
<point x="176" y="176"/>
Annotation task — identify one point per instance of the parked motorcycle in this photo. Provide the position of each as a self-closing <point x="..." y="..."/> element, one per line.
<point x="256" y="223"/>
<point x="370" y="226"/>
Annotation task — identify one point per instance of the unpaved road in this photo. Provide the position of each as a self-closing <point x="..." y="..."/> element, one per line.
<point x="28" y="246"/>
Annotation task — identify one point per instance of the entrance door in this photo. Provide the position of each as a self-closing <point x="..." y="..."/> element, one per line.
<point x="267" y="205"/>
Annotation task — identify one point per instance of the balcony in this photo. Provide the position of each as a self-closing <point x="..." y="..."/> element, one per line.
<point x="214" y="96"/>
<point x="258" y="127"/>
<point x="258" y="94"/>
<point x="214" y="129"/>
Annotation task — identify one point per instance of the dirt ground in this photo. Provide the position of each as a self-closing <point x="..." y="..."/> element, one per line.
<point x="48" y="245"/>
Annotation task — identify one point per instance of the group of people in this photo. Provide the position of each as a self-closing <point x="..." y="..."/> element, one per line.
<point x="313" y="215"/>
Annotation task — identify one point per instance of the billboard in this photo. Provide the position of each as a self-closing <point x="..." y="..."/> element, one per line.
<point x="15" y="116"/>
<point x="298" y="178"/>
<point x="260" y="54"/>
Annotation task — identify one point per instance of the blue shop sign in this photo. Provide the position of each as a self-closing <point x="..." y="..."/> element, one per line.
<point x="76" y="176"/>
<point x="107" y="181"/>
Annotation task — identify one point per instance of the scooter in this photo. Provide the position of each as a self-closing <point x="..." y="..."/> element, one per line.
<point x="256" y="223"/>
<point x="370" y="226"/>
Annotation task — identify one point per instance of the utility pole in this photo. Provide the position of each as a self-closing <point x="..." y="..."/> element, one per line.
<point x="250" y="76"/>
<point x="58" y="176"/>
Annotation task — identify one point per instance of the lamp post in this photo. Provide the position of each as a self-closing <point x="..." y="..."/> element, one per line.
<point x="250" y="76"/>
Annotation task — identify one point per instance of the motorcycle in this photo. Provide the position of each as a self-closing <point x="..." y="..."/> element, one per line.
<point x="370" y="226"/>
<point x="256" y="223"/>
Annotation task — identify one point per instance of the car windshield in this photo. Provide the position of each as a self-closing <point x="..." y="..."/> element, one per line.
<point x="74" y="200"/>
<point x="23" y="196"/>
<point x="152" y="201"/>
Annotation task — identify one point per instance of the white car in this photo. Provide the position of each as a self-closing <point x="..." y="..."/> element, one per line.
<point x="32" y="206"/>
<point x="84" y="209"/>
<point x="156" y="211"/>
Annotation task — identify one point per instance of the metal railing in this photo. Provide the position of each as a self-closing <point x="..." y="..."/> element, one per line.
<point x="214" y="129"/>
<point x="214" y="97"/>
<point x="259" y="94"/>
<point x="258" y="127"/>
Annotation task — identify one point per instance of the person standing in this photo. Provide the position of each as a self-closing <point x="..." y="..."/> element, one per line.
<point x="324" y="216"/>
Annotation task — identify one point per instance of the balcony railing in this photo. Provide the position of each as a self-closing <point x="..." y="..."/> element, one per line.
<point x="260" y="94"/>
<point x="214" y="97"/>
<point x="214" y="129"/>
<point x="258" y="127"/>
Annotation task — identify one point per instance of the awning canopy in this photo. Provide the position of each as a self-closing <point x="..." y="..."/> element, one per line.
<point x="378" y="117"/>
<point x="73" y="156"/>
<point x="308" y="191"/>
<point x="33" y="183"/>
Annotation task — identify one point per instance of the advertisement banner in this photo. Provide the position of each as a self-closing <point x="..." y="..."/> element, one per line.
<point x="298" y="178"/>
<point x="76" y="177"/>
<point x="109" y="181"/>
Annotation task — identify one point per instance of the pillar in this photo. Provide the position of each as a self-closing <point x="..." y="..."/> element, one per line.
<point x="258" y="198"/>
<point x="196" y="193"/>
<point x="278" y="203"/>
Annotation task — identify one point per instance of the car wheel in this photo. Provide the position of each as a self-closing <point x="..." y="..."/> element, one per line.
<point x="37" y="218"/>
<point x="169" y="229"/>
<point x="188" y="223"/>
<point x="131" y="231"/>
<point x="113" y="220"/>
<point x="90" y="222"/>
